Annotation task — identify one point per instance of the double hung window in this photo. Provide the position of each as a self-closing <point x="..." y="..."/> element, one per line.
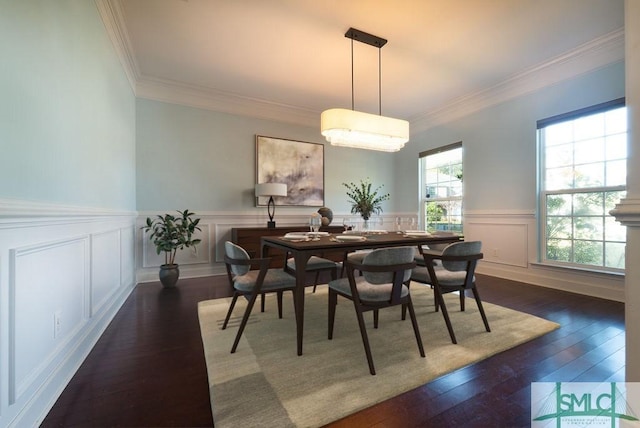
<point x="441" y="188"/>
<point x="582" y="175"/>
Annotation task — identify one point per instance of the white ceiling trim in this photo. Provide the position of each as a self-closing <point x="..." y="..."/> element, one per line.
<point x="113" y="20"/>
<point x="590" y="56"/>
<point x="598" y="53"/>
<point x="225" y="102"/>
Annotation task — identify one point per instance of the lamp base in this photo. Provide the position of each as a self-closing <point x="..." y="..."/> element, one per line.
<point x="271" y="225"/>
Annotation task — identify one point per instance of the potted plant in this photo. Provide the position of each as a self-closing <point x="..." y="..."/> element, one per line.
<point x="364" y="200"/>
<point x="170" y="233"/>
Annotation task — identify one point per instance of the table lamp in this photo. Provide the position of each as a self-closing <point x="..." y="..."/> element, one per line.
<point x="271" y="190"/>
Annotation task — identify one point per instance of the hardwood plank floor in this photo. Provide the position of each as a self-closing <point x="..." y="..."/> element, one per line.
<point x="148" y="368"/>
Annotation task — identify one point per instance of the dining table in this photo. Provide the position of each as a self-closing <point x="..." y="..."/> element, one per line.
<point x="303" y="246"/>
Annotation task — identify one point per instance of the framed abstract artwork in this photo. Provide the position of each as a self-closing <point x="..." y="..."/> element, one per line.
<point x="298" y="164"/>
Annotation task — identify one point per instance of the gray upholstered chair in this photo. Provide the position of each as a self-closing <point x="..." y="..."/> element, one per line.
<point x="455" y="271"/>
<point x="251" y="283"/>
<point x="382" y="284"/>
<point x="316" y="265"/>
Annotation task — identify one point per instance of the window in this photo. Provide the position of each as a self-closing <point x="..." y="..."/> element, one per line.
<point x="441" y="188"/>
<point x="583" y="171"/>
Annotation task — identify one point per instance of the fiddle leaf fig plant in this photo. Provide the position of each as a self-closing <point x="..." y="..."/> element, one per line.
<point x="170" y="233"/>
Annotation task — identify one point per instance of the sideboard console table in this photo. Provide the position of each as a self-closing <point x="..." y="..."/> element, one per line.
<point x="249" y="239"/>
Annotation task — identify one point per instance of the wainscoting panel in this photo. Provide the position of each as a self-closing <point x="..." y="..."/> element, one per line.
<point x="127" y="256"/>
<point x="64" y="273"/>
<point x="510" y="247"/>
<point x="501" y="243"/>
<point x="47" y="306"/>
<point x="105" y="269"/>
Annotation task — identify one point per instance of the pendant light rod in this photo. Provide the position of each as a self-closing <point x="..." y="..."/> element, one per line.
<point x="352" y="97"/>
<point x="380" y="82"/>
<point x="372" y="40"/>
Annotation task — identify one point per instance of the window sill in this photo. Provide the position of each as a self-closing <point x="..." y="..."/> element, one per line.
<point x="595" y="271"/>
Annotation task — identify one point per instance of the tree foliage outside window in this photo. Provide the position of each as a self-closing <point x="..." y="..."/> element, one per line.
<point x="583" y="176"/>
<point x="441" y="176"/>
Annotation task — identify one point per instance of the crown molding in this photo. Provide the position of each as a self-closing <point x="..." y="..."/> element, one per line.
<point x="590" y="56"/>
<point x="210" y="99"/>
<point x="113" y="19"/>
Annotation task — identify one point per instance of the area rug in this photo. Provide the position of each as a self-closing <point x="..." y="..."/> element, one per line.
<point x="266" y="384"/>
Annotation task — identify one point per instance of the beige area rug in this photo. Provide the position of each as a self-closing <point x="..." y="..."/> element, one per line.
<point x="266" y="384"/>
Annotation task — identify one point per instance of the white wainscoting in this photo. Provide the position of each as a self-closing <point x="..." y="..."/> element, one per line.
<point x="64" y="273"/>
<point x="216" y="229"/>
<point x="509" y="245"/>
<point x="509" y="241"/>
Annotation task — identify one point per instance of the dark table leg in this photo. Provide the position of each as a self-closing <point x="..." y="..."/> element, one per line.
<point x="301" y="260"/>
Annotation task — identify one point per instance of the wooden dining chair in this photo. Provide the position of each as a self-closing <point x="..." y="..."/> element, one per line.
<point x="317" y="265"/>
<point x="382" y="285"/>
<point x="252" y="283"/>
<point x="454" y="272"/>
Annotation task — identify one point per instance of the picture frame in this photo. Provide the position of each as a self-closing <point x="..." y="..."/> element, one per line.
<point x="298" y="164"/>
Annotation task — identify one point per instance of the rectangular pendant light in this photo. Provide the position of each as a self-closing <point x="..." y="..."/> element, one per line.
<point x="351" y="128"/>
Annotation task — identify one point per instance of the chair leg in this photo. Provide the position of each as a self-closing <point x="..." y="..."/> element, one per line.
<point x="279" y="295"/>
<point x="233" y="304"/>
<point x="445" y="314"/>
<point x="375" y="318"/>
<point x="414" y="322"/>
<point x="262" y="302"/>
<point x="245" y="318"/>
<point x="365" y="339"/>
<point x="404" y="305"/>
<point x="462" y="292"/>
<point x="315" y="282"/>
<point x="481" y="309"/>
<point x="333" y="301"/>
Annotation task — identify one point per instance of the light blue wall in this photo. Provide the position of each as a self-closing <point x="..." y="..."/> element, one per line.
<point x="500" y="142"/>
<point x="205" y="161"/>
<point x="67" y="111"/>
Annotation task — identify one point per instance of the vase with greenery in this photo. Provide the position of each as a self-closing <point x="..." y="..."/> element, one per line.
<point x="170" y="233"/>
<point x="365" y="200"/>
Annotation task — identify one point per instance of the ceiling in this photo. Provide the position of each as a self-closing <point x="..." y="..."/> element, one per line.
<point x="289" y="59"/>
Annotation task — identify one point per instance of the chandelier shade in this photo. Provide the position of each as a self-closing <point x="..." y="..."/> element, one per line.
<point x="351" y="128"/>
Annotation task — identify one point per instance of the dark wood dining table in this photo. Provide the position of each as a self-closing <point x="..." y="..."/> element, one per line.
<point x="302" y="249"/>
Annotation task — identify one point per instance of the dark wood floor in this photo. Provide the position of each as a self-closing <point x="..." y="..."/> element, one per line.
<point x="148" y="368"/>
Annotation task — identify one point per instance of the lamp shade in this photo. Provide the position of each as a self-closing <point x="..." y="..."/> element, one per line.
<point x="271" y="189"/>
<point x="350" y="128"/>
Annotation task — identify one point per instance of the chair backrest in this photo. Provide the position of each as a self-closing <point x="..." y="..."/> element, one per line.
<point x="387" y="256"/>
<point x="465" y="248"/>
<point x="237" y="252"/>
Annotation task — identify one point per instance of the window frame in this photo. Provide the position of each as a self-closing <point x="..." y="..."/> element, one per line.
<point x="423" y="200"/>
<point x="543" y="194"/>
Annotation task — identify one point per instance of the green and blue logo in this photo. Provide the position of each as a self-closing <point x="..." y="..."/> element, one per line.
<point x="577" y="404"/>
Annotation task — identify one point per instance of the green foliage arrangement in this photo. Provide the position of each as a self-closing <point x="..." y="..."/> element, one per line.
<point x="363" y="200"/>
<point x="170" y="233"/>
